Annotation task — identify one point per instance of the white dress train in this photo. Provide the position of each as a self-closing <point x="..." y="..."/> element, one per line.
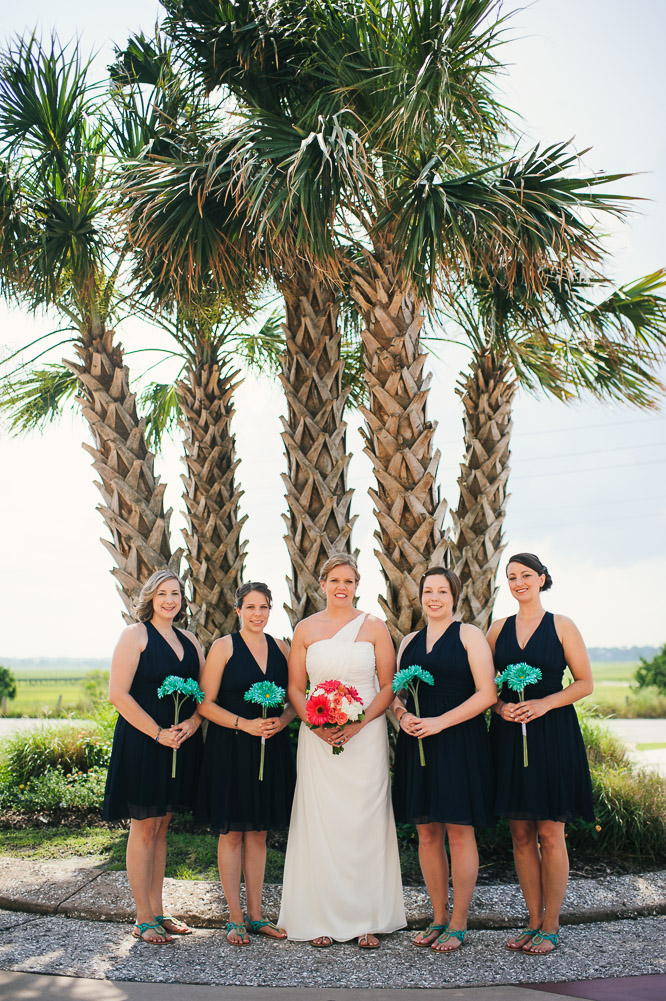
<point x="342" y="870"/>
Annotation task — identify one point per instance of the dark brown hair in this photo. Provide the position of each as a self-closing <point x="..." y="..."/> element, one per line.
<point x="453" y="579"/>
<point x="253" y="585"/>
<point x="533" y="563"/>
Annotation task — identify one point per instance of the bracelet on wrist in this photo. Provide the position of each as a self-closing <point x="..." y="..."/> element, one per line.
<point x="157" y="735"/>
<point x="236" y="723"/>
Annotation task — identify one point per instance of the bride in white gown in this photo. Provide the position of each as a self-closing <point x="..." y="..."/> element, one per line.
<point x="342" y="871"/>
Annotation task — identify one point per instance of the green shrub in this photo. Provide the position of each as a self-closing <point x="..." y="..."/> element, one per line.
<point x="653" y="672"/>
<point x="54" y="790"/>
<point x="31" y="753"/>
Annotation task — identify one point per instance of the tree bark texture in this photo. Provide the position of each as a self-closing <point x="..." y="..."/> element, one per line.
<point x="487" y="394"/>
<point x="318" y="519"/>
<point x="215" y="554"/>
<point x="133" y="497"/>
<point x="398" y="440"/>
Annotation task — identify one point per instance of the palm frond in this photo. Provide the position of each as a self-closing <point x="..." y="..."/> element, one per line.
<point x="160" y="405"/>
<point x="37" y="398"/>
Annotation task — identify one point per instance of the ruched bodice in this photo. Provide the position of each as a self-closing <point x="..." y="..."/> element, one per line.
<point x="344" y="658"/>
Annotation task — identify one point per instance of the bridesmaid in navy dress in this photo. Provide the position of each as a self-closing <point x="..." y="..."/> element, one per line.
<point x="555" y="786"/>
<point x="452" y="794"/>
<point x="139" y="783"/>
<point x="239" y="807"/>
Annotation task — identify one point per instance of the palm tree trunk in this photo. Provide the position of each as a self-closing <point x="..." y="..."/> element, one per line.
<point x="133" y="497"/>
<point x="318" y="520"/>
<point x="399" y="441"/>
<point x="215" y="554"/>
<point x="487" y="395"/>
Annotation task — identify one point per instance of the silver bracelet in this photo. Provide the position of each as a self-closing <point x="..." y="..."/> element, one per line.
<point x="157" y="735"/>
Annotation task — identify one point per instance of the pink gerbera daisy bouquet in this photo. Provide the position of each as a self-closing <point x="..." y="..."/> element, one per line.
<point x="333" y="704"/>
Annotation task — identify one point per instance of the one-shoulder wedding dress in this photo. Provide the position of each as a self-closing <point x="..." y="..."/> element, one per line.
<point x="342" y="870"/>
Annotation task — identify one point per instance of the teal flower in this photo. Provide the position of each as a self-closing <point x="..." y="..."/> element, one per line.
<point x="403" y="678"/>
<point x="183" y="686"/>
<point x="410" y="678"/>
<point x="518" y="676"/>
<point x="266" y="694"/>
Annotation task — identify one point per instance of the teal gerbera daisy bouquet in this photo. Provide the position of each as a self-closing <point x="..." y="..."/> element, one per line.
<point x="517" y="677"/>
<point x="268" y="695"/>
<point x="181" y="689"/>
<point x="410" y="678"/>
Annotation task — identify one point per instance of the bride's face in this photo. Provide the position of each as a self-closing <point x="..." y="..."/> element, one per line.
<point x="340" y="586"/>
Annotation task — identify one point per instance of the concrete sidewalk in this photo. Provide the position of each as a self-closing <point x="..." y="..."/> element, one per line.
<point x="78" y="889"/>
<point x="69" y="923"/>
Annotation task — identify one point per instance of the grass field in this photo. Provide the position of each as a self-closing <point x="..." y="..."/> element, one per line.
<point x="55" y="682"/>
<point x="612" y="693"/>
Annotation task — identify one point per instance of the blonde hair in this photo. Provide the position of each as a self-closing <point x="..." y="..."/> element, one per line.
<point x="339" y="560"/>
<point x="143" y="607"/>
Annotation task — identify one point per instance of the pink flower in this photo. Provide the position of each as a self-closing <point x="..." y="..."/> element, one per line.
<point x="353" y="694"/>
<point x="329" y="686"/>
<point x="317" y="710"/>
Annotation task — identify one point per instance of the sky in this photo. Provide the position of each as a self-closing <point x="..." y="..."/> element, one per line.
<point x="588" y="481"/>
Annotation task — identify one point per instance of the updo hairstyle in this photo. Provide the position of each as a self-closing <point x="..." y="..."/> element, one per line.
<point x="534" y="563"/>
<point x="453" y="579"/>
<point x="339" y="560"/>
<point x="143" y="606"/>
<point x="253" y="585"/>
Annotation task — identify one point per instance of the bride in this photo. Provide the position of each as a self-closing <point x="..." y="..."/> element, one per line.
<point x="342" y="871"/>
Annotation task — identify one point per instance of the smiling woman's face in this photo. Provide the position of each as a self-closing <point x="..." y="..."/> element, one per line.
<point x="437" y="597"/>
<point x="524" y="583"/>
<point x="167" y="599"/>
<point x="340" y="585"/>
<point x="253" y="613"/>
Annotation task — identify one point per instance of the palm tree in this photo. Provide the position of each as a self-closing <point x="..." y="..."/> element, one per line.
<point x="401" y="148"/>
<point x="558" y="341"/>
<point x="210" y="340"/>
<point x="58" y="250"/>
<point x="225" y="46"/>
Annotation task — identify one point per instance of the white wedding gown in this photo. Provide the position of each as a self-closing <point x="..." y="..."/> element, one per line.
<point x="342" y="871"/>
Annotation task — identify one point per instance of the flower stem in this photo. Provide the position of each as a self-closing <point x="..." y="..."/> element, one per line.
<point x="263" y="749"/>
<point x="418" y="713"/>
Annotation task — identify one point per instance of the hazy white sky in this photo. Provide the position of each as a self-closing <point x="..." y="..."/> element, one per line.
<point x="588" y="482"/>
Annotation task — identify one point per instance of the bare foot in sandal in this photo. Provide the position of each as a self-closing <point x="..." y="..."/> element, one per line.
<point x="322" y="942"/>
<point x="368" y="941"/>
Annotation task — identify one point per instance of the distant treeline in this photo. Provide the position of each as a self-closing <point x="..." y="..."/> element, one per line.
<point x="48" y="663"/>
<point x="621" y="653"/>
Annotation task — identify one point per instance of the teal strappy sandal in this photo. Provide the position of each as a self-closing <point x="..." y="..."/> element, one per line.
<point x="140" y="928"/>
<point x="241" y="931"/>
<point x="256" y="928"/>
<point x="542" y="936"/>
<point x="430" y="930"/>
<point x="450" y="933"/>
<point x="525" y="933"/>
<point x="179" y="927"/>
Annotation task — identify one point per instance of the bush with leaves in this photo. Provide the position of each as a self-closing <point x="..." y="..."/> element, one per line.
<point x="7" y="686"/>
<point x="653" y="672"/>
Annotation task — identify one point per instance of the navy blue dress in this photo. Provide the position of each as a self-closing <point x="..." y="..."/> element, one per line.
<point x="139" y="783"/>
<point x="556" y="783"/>
<point x="231" y="797"/>
<point x="456" y="784"/>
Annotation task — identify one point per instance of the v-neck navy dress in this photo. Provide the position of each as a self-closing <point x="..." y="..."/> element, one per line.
<point x="231" y="797"/>
<point x="555" y="785"/>
<point x="139" y="783"/>
<point x="456" y="784"/>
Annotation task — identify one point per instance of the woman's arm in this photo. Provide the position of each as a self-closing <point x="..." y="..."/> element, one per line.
<point x="398" y="706"/>
<point x="211" y="679"/>
<point x="124" y="663"/>
<point x="491" y="636"/>
<point x="578" y="663"/>
<point x="483" y="672"/>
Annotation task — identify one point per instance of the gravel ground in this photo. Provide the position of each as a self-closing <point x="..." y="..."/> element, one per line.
<point x="67" y="947"/>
